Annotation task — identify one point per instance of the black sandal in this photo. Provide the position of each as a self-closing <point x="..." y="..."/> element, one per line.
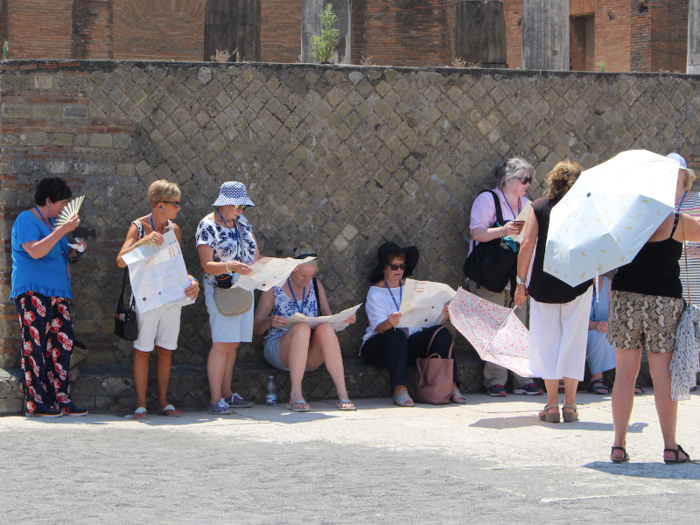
<point x="623" y="459"/>
<point x="594" y="389"/>
<point x="676" y="452"/>
<point x="641" y="390"/>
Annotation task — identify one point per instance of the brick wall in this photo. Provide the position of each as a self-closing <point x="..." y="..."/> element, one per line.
<point x="159" y="29"/>
<point x="513" y="10"/>
<point x="397" y="32"/>
<point x="344" y="159"/>
<point x="403" y="32"/>
<point x="40" y="28"/>
<point x="280" y="38"/>
<point x="669" y="36"/>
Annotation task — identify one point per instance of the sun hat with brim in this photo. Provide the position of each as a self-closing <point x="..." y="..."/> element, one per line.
<point x="232" y="194"/>
<point x="384" y="250"/>
<point x="683" y="163"/>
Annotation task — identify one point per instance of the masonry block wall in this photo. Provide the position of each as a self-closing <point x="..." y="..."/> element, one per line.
<point x="340" y="158"/>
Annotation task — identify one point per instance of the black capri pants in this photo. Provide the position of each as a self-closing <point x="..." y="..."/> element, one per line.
<point x="395" y="351"/>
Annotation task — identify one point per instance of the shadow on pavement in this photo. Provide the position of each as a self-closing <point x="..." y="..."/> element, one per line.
<point x="648" y="470"/>
<point x="528" y="421"/>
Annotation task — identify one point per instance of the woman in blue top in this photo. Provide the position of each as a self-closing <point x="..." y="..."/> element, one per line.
<point x="299" y="348"/>
<point x="41" y="288"/>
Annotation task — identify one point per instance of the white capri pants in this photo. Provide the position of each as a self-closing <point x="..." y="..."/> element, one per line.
<point x="558" y="335"/>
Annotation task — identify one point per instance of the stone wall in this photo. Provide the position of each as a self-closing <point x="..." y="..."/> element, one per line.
<point x="339" y="158"/>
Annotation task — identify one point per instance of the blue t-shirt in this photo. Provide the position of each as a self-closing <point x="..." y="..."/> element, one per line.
<point x="47" y="275"/>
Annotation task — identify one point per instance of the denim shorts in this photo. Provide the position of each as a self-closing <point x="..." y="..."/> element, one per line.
<point x="272" y="352"/>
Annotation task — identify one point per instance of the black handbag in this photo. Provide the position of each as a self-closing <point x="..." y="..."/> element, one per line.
<point x="492" y="264"/>
<point x="126" y="325"/>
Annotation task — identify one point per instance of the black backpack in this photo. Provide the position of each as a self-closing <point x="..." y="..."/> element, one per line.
<point x="492" y="264"/>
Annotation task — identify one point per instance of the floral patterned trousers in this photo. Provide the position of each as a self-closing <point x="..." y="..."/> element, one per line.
<point x="47" y="347"/>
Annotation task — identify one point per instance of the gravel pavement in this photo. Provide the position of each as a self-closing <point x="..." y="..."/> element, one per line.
<point x="490" y="461"/>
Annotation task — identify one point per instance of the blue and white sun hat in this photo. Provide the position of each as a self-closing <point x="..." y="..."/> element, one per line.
<point x="233" y="193"/>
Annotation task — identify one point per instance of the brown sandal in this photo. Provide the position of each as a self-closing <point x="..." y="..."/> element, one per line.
<point x="550" y="417"/>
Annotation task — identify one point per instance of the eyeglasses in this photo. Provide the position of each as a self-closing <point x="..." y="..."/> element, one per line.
<point x="305" y="255"/>
<point x="175" y="203"/>
<point x="241" y="207"/>
<point x="395" y="267"/>
<point x="525" y="180"/>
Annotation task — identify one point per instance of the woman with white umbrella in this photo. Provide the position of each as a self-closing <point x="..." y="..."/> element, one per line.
<point x="558" y="312"/>
<point x="645" y="308"/>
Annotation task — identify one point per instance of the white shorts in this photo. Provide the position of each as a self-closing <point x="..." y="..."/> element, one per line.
<point x="228" y="329"/>
<point x="159" y="327"/>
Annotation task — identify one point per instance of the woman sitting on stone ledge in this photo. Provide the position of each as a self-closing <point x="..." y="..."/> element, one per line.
<point x="394" y="348"/>
<point x="298" y="349"/>
<point x="158" y="328"/>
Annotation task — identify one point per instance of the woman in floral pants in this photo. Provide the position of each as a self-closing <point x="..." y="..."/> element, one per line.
<point x="41" y="288"/>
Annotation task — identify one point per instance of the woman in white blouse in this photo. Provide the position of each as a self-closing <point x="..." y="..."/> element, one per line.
<point x="394" y="348"/>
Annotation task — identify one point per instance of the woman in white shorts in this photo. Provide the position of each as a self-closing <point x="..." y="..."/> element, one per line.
<point x="158" y="328"/>
<point x="226" y="247"/>
<point x="299" y="349"/>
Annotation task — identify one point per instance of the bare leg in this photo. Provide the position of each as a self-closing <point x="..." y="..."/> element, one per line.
<point x="325" y="348"/>
<point x="163" y="368"/>
<point x="294" y="352"/>
<point x="217" y="362"/>
<point x="228" y="369"/>
<point x="570" y="387"/>
<point x="552" y="387"/>
<point x="623" y="394"/>
<point x="666" y="408"/>
<point x="141" y="376"/>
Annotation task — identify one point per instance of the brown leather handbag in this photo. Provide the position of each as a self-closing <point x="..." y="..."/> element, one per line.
<point x="434" y="376"/>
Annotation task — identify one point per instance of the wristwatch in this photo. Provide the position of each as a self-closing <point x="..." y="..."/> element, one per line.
<point x="520" y="280"/>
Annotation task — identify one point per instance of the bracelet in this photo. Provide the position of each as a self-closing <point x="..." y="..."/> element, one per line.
<point x="136" y="245"/>
<point x="193" y="281"/>
<point x="227" y="266"/>
<point x="520" y="280"/>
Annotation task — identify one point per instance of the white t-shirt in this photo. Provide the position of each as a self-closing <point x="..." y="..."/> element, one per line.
<point x="379" y="307"/>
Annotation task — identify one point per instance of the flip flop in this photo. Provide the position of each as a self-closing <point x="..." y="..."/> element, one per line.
<point x="403" y="400"/>
<point x="345" y="402"/>
<point x="169" y="411"/>
<point x="304" y="406"/>
<point x="140" y="413"/>
<point x="457" y="397"/>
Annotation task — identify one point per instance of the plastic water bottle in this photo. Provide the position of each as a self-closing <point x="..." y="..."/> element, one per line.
<point x="271" y="395"/>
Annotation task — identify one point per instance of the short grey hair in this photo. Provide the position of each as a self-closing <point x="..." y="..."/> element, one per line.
<point x="514" y="168"/>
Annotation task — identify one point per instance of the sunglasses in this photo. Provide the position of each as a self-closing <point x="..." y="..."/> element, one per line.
<point x="305" y="255"/>
<point x="175" y="203"/>
<point x="395" y="267"/>
<point x="525" y="180"/>
<point x="241" y="207"/>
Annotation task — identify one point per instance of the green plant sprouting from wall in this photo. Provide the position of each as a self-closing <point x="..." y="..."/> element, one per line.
<point x="5" y="50"/>
<point x="323" y="45"/>
<point x="601" y="66"/>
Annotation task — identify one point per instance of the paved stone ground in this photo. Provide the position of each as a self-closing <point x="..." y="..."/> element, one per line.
<point x="489" y="462"/>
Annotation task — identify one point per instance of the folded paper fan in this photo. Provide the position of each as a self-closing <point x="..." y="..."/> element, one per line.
<point x="71" y="210"/>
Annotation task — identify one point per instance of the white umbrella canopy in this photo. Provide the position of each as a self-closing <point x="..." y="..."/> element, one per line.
<point x="608" y="215"/>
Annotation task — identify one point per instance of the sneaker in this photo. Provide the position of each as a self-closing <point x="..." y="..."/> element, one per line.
<point x="45" y="412"/>
<point x="72" y="410"/>
<point x="220" y="408"/>
<point x="529" y="390"/>
<point x="236" y="401"/>
<point x="496" y="391"/>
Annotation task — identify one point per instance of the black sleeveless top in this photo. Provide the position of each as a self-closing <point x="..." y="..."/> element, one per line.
<point x="544" y="287"/>
<point x="654" y="270"/>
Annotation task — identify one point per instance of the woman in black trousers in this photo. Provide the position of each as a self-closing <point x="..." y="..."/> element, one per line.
<point x="394" y="348"/>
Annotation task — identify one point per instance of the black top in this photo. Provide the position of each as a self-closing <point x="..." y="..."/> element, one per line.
<point x="654" y="270"/>
<point x="544" y="287"/>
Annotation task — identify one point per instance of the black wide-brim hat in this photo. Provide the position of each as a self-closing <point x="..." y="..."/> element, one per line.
<point x="384" y="250"/>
